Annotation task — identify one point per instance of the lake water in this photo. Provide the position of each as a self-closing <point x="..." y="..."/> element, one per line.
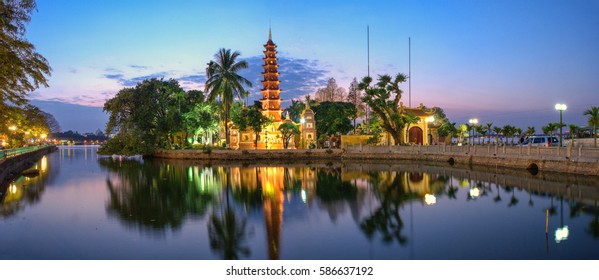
<point x="83" y="206"/>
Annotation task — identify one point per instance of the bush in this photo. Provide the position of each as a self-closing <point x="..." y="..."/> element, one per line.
<point x="329" y="151"/>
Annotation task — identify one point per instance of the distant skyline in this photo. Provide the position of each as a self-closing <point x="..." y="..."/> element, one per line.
<point x="506" y="62"/>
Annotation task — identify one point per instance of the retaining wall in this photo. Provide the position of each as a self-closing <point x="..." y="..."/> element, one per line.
<point x="11" y="167"/>
<point x="469" y="157"/>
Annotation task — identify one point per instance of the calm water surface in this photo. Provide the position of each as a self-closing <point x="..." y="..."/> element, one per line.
<point x="87" y="207"/>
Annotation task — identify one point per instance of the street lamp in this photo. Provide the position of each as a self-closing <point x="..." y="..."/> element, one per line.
<point x="561" y="108"/>
<point x="473" y="123"/>
<point x="428" y="121"/>
<point x="302" y="121"/>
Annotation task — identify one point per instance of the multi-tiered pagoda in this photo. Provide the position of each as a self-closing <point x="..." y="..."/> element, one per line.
<point x="271" y="100"/>
<point x="269" y="138"/>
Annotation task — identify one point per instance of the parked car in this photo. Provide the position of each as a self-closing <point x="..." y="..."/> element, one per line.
<point x="543" y="141"/>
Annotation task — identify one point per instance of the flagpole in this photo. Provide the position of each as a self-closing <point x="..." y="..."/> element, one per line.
<point x="410" y="72"/>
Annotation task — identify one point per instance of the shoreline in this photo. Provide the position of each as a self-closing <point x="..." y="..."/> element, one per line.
<point x="11" y="168"/>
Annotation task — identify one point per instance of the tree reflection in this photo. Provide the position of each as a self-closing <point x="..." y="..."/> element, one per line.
<point x="330" y="188"/>
<point x="386" y="219"/>
<point x="154" y="195"/>
<point x="227" y="232"/>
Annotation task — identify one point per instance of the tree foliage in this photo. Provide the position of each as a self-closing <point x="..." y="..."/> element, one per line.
<point x="354" y="96"/>
<point x="22" y="69"/>
<point x="333" y="117"/>
<point x="383" y="99"/>
<point x="593" y="120"/>
<point x="143" y="118"/>
<point x="288" y="130"/>
<point x="331" y="93"/>
<point x="225" y="83"/>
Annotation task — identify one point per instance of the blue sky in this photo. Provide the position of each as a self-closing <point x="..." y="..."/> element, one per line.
<point x="506" y="62"/>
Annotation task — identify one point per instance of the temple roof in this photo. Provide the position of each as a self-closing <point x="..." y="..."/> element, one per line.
<point x="419" y="111"/>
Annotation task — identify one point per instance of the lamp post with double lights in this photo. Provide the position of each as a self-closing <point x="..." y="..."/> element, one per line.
<point x="561" y="108"/>
<point x="473" y="123"/>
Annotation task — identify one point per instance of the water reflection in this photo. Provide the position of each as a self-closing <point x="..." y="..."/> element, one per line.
<point x="26" y="190"/>
<point x="152" y="196"/>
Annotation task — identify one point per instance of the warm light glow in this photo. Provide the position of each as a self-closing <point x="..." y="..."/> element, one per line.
<point x="13" y="189"/>
<point x="474" y="192"/>
<point x="473" y="121"/>
<point x="43" y="136"/>
<point x="304" y="196"/>
<point x="302" y="120"/>
<point x="561" y="234"/>
<point x="12" y="127"/>
<point x="430" y="119"/>
<point x="561" y="107"/>
<point x="44" y="163"/>
<point x="430" y="199"/>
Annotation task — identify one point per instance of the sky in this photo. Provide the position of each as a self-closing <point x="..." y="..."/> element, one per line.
<point x="504" y="62"/>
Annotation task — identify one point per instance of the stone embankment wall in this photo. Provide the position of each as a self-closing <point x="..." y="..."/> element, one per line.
<point x="13" y="166"/>
<point x="566" y="160"/>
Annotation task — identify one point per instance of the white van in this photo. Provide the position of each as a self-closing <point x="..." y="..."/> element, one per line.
<point x="543" y="141"/>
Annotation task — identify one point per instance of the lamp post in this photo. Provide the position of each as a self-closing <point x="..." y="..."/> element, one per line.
<point x="473" y="123"/>
<point x="302" y="121"/>
<point x="430" y="135"/>
<point x="561" y="108"/>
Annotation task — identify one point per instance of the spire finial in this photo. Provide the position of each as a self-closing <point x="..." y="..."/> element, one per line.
<point x="269" y="33"/>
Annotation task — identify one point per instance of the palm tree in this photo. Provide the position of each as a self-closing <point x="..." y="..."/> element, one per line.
<point x="593" y="120"/>
<point x="480" y="129"/>
<point x="530" y="131"/>
<point x="497" y="131"/>
<point x="573" y="129"/>
<point x="552" y="127"/>
<point x="224" y="82"/>
<point x="488" y="126"/>
<point x="508" y="131"/>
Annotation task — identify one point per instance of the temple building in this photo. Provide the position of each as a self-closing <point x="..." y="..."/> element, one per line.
<point x="271" y="138"/>
<point x="424" y="132"/>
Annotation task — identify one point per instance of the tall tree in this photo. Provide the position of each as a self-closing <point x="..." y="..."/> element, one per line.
<point x="52" y="123"/>
<point x="573" y="129"/>
<point x="143" y="118"/>
<point x="489" y="127"/>
<point x="530" y="131"/>
<point x="354" y="96"/>
<point x="333" y="117"/>
<point x="593" y="120"/>
<point x="295" y="110"/>
<point x="288" y="130"/>
<point x="22" y="69"/>
<point x="225" y="82"/>
<point x="498" y="130"/>
<point x="331" y="92"/>
<point x="379" y="99"/>
<point x="257" y="122"/>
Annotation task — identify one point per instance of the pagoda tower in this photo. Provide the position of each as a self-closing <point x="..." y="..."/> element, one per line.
<point x="271" y="100"/>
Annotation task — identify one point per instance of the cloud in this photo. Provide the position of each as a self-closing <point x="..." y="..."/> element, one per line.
<point x="192" y="78"/>
<point x="129" y="82"/>
<point x="140" y="67"/>
<point x="298" y="77"/>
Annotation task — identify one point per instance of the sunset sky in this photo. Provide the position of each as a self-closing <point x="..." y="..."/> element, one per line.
<point x="506" y="62"/>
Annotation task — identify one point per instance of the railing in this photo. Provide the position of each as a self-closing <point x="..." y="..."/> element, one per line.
<point x="18" y="151"/>
<point x="578" y="152"/>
